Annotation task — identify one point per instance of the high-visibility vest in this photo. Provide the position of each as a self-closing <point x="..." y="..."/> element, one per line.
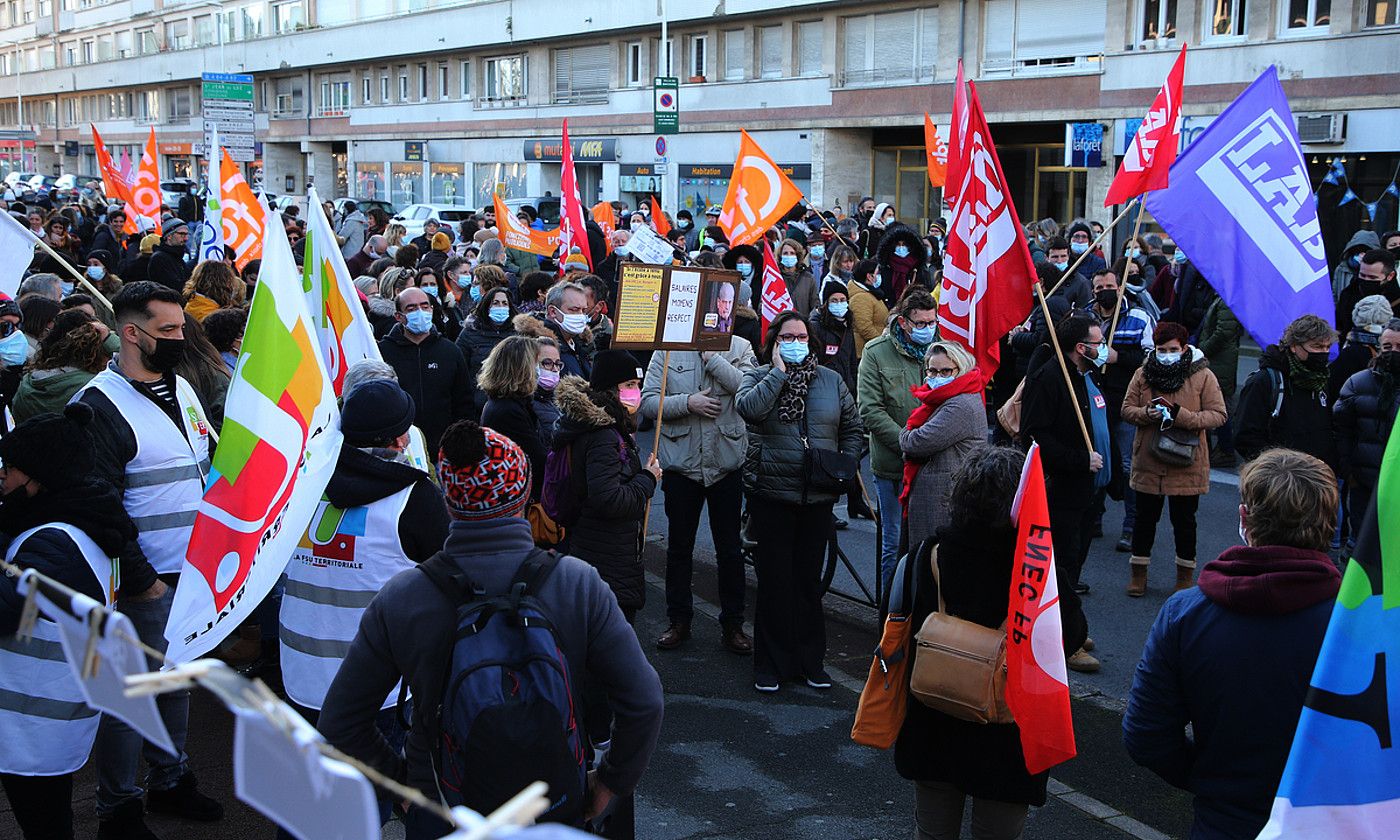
<point x="165" y="481"/>
<point x="343" y="560"/>
<point x="46" y="726"/>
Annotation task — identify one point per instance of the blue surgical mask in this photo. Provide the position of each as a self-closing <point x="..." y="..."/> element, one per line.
<point x="901" y="251"/>
<point x="745" y="269"/>
<point x="818" y="251"/>
<point x="1169" y="358"/>
<point x="66" y="287"/>
<point x="575" y="323"/>
<point x="462" y="280"/>
<point x="96" y="272"/>
<point x="1060" y="266"/>
<point x="499" y="314"/>
<point x="418" y="321"/>
<point x="838" y="308"/>
<point x="922" y="335"/>
<point x="475" y="292"/>
<point x="939" y="381"/>
<point x="431" y="290"/>
<point x="14" y="349"/>
<point x="1355" y="260"/>
<point x="1179" y="257"/>
<point x="1134" y="253"/>
<point x="875" y="281"/>
<point x="794" y="352"/>
<point x="1079" y="247"/>
<point x="788" y="260"/>
<point x="1101" y="356"/>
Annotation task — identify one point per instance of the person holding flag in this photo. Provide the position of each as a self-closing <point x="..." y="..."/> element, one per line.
<point x="1232" y="657"/>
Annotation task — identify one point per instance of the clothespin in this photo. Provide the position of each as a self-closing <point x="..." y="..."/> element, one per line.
<point x="29" y="584"/>
<point x="174" y="679"/>
<point x="522" y="810"/>
<point x="95" y="619"/>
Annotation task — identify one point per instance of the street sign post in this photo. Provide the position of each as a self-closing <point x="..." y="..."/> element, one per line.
<point x="227" y="105"/>
<point x="666" y="111"/>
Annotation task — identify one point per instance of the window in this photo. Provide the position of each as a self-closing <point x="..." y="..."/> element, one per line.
<point x="86" y="53"/>
<point x="178" y="105"/>
<point x="147" y="106"/>
<point x="288" y="102"/>
<point x="70" y="112"/>
<point x="365" y="90"/>
<point x="123" y="44"/>
<point x="890" y="48"/>
<point x="177" y="35"/>
<point x="467" y="79"/>
<point x="204" y="34"/>
<point x="736" y="55"/>
<point x="505" y="79"/>
<point x="633" y="56"/>
<point x="70" y="55"/>
<point x="384" y="87"/>
<point x="770" y="52"/>
<point x="696" y="56"/>
<point x="1224" y="18"/>
<point x="335" y="12"/>
<point x="581" y="73"/>
<point x="444" y="92"/>
<point x="287" y="17"/>
<point x="1307" y="14"/>
<point x="665" y="65"/>
<point x="1158" y="20"/>
<point x="809" y="48"/>
<point x="422" y="83"/>
<point x="145" y="41"/>
<point x="335" y="99"/>
<point x="403" y="83"/>
<point x="1380" y="13"/>
<point x="1026" y="36"/>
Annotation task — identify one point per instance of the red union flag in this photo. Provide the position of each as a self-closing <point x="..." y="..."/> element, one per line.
<point x="1153" y="149"/>
<point x="987" y="272"/>
<point x="1037" y="684"/>
<point x="775" y="297"/>
<point x="571" y="225"/>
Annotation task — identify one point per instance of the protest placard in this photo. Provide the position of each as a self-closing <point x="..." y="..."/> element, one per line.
<point x="674" y="307"/>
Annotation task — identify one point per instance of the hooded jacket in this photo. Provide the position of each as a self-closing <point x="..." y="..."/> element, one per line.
<point x="576" y="353"/>
<point x="1303" y="423"/>
<point x="361" y="479"/>
<point x="47" y="390"/>
<point x="1364" y="418"/>
<point x="1233" y="658"/>
<point x="895" y="235"/>
<point x="353" y="229"/>
<point x="702" y="449"/>
<point x="1197" y="406"/>
<point x="1343" y="275"/>
<point x="168" y="267"/>
<point x="618" y="490"/>
<point x="869" y="315"/>
<point x="435" y="375"/>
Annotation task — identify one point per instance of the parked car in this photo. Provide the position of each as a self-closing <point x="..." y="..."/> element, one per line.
<point x="546" y="206"/>
<point x="414" y="216"/>
<point x="173" y="190"/>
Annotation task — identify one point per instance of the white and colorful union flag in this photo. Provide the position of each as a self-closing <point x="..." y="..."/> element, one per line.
<point x="278" y="448"/>
<point x="1241" y="205"/>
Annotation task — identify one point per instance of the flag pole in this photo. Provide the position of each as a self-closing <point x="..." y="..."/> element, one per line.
<point x="821" y="215"/>
<point x="1087" y="251"/>
<point x="1123" y="281"/>
<point x="77" y="275"/>
<point x="656" y="439"/>
<point x="1064" y="369"/>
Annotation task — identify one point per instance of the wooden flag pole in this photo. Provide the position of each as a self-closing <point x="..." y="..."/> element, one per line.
<point x="1090" y="249"/>
<point x="1064" y="369"/>
<point x="656" y="439"/>
<point x="77" y="275"/>
<point x="827" y="225"/>
<point x="1123" y="281"/>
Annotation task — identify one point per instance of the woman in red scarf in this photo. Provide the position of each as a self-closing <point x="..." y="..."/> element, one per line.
<point x="949" y="423"/>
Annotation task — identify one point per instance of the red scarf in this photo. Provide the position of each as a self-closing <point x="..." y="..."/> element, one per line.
<point x="930" y="399"/>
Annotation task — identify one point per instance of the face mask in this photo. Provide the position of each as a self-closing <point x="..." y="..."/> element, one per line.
<point x="922" y="335"/>
<point x="839" y="308"/>
<point x="818" y="251"/>
<point x="547" y="378"/>
<point x="431" y="291"/>
<point x="1106" y="298"/>
<point x="1355" y="259"/>
<point x="112" y="343"/>
<point x="1133" y="253"/>
<point x="418" y="321"/>
<point x="463" y="281"/>
<point x="630" y="397"/>
<point x="794" y="352"/>
<point x="575" y="324"/>
<point x="1100" y="354"/>
<point x="1389" y="361"/>
<point x="14" y="349"/>
<point x="682" y="224"/>
<point x="1169" y="358"/>
<point x="844" y="275"/>
<point x="96" y="272"/>
<point x="67" y="288"/>
<point x="168" y="354"/>
<point x="1060" y="266"/>
<point x="939" y="381"/>
<point x="888" y="220"/>
<point x="901" y="251"/>
<point x="875" y="281"/>
<point x="475" y="292"/>
<point x="1318" y="361"/>
<point x="788" y="260"/>
<point x="745" y="269"/>
<point x="1079" y="247"/>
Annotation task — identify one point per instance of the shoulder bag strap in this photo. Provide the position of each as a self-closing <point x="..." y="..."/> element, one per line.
<point x="938" y="584"/>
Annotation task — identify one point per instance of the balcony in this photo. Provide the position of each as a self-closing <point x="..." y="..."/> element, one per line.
<point x="884" y="76"/>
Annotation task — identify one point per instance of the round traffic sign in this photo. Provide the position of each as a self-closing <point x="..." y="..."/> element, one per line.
<point x="661" y="147"/>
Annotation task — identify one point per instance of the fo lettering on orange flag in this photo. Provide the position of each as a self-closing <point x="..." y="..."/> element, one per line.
<point x="145" y="190"/>
<point x="759" y="195"/>
<point x="1037" y="684"/>
<point x="607" y="220"/>
<point x="658" y="219"/>
<point x="516" y="234"/>
<point x="937" y="152"/>
<point x="113" y="183"/>
<point x="243" y="214"/>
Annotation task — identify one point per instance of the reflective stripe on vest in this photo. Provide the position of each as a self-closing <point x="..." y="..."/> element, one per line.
<point x="343" y="560"/>
<point x="165" y="481"/>
<point x="46" y="727"/>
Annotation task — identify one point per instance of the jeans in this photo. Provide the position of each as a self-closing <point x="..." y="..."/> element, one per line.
<point x="1124" y="433"/>
<point x="685" y="499"/>
<point x="887" y="491"/>
<point x="43" y="805"/>
<point x="1183" y="516"/>
<point x="119" y="748"/>
<point x="938" y="814"/>
<point x="789" y="630"/>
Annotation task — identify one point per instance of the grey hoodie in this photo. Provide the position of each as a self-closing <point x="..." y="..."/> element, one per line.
<point x="353" y="228"/>
<point x="1360" y="242"/>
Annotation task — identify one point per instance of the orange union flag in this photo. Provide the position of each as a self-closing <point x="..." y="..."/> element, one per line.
<point x="145" y="191"/>
<point x="937" y="151"/>
<point x="243" y="214"/>
<point x="607" y="220"/>
<point x="515" y="234"/>
<point x="759" y="195"/>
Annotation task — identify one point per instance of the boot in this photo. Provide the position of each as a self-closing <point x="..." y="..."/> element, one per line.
<point x="1137" y="584"/>
<point x="735" y="640"/>
<point x="1185" y="571"/>
<point x="245" y="649"/>
<point x="675" y="636"/>
<point x="1082" y="662"/>
<point x="185" y="801"/>
<point x="126" y="822"/>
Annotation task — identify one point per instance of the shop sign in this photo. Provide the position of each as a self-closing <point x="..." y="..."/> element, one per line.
<point x="602" y="150"/>
<point x="1084" y="145"/>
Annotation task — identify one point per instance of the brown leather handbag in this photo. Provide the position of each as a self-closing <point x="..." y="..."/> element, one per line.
<point x="959" y="665"/>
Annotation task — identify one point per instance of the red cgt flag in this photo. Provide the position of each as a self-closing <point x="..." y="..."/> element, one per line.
<point x="1154" y="146"/>
<point x="571" y="225"/>
<point x="775" y="297"/>
<point x="1037" y="683"/>
<point x="987" y="272"/>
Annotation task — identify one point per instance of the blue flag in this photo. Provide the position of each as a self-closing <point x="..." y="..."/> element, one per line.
<point x="1241" y="205"/>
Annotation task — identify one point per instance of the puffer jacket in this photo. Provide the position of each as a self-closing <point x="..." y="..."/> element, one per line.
<point x="868" y="313"/>
<point x="476" y="341"/>
<point x="1198" y="406"/>
<point x="1364" y="423"/>
<point x="885" y="376"/>
<point x="941" y="444"/>
<point x="608" y="532"/>
<point x="773" y="467"/>
<point x="1304" y="421"/>
<point x="899" y="234"/>
<point x="1220" y="336"/>
<point x="700" y="448"/>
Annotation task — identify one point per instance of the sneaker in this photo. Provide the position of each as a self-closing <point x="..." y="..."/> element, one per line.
<point x="184" y="800"/>
<point x="821" y="681"/>
<point x="1082" y="662"/>
<point x="126" y="822"/>
<point x="1125" y="543"/>
<point x="841" y="524"/>
<point x="765" y="683"/>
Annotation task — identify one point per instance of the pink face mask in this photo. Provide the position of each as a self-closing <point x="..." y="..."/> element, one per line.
<point x="630" y="397"/>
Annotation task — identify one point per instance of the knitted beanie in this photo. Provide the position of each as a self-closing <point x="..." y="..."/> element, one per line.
<point x="1371" y="314"/>
<point x="613" y="367"/>
<point x="484" y="474"/>
<point x="53" y="449"/>
<point x="441" y="242"/>
<point x="576" y="261"/>
<point x="375" y="412"/>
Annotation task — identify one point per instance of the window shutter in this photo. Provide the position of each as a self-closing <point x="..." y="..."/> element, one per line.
<point x="582" y="74"/>
<point x="735" y="57"/>
<point x="854" y="61"/>
<point x="809" y="48"/>
<point x="928" y="43"/>
<point x="894" y="39"/>
<point x="771" y="52"/>
<point x="998" y="30"/>
<point x="1048" y="29"/>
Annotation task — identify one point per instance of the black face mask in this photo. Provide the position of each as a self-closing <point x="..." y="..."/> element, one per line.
<point x="1106" y="298"/>
<point x="1318" y="361"/>
<point x="1389" y="361"/>
<point x="166" y="357"/>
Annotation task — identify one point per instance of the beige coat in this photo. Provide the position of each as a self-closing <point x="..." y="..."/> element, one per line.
<point x="868" y="313"/>
<point x="1202" y="407"/>
<point x="698" y="447"/>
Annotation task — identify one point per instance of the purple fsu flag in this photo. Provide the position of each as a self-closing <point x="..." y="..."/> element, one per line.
<point x="1242" y="207"/>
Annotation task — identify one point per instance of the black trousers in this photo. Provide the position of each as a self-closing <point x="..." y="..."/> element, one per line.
<point x="1074" y="506"/>
<point x="1181" y="510"/>
<point x="788" y="627"/>
<point x="43" y="805"/>
<point x="685" y="499"/>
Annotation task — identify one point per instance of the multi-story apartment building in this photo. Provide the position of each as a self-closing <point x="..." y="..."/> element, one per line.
<point x="448" y="100"/>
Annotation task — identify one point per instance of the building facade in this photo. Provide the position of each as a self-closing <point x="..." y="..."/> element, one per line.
<point x="450" y="100"/>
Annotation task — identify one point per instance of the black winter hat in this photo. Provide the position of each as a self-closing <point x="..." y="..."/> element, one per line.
<point x="53" y="449"/>
<point x="612" y="367"/>
<point x="376" y="411"/>
<point x="1079" y="227"/>
<point x="8" y="306"/>
<point x="755" y="256"/>
<point x="832" y="287"/>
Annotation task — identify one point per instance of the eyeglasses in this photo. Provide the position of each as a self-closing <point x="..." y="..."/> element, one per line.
<point x="791" y="339"/>
<point x="947" y="371"/>
<point x="551" y="364"/>
<point x="918" y="325"/>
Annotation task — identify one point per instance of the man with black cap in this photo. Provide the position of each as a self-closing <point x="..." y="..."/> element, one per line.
<point x="686" y="222"/>
<point x="168" y="266"/>
<point x="67" y="526"/>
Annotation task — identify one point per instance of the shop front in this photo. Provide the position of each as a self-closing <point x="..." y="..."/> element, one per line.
<point x="637" y="183"/>
<point x="590" y="154"/>
<point x="705" y="184"/>
<point x="17" y="155"/>
<point x="178" y="159"/>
